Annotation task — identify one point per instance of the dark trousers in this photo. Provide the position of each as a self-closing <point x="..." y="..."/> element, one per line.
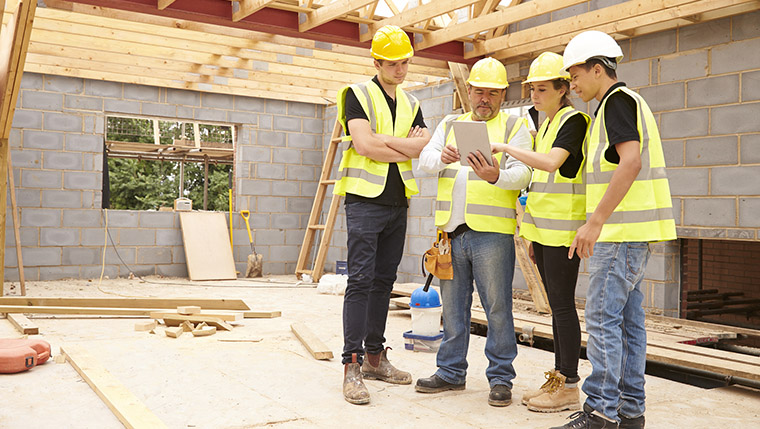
<point x="560" y="275"/>
<point x="376" y="236"/>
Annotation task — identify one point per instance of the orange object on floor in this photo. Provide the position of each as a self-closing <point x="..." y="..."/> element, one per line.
<point x="18" y="354"/>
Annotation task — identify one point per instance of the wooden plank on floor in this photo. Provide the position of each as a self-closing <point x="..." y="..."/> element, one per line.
<point x="207" y="247"/>
<point x="39" y="309"/>
<point x="261" y="314"/>
<point x="155" y="303"/>
<point x="130" y="411"/>
<point x="226" y="316"/>
<point x="24" y="325"/>
<point x="313" y="344"/>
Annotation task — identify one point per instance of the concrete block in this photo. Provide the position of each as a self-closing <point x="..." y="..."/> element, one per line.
<point x="684" y="66"/>
<point x="673" y="151"/>
<point x="270" y="171"/>
<point x="103" y="88"/>
<point x="31" y="81"/>
<point x="705" y="34"/>
<point x="168" y="237"/>
<point x="423" y="93"/>
<point x="265" y="122"/>
<point x="302" y="141"/>
<point x="277" y="107"/>
<point x="709" y="212"/>
<point x="61" y="199"/>
<point x="251" y="104"/>
<point x="243" y="118"/>
<point x="685" y="123"/>
<point x="40" y="256"/>
<point x="284" y="253"/>
<point x="286" y="123"/>
<point x="62" y="161"/>
<point x="173" y="270"/>
<point x="267" y="237"/>
<point x="218" y="101"/>
<point x="41" y="100"/>
<point x="286" y="221"/>
<point x="82" y="142"/>
<point x="312" y="157"/>
<point x="92" y="237"/>
<point x="115" y="256"/>
<point x="27" y="198"/>
<point x="40" y="179"/>
<point x="29" y="237"/>
<point x="735" y="181"/>
<point x="286" y="156"/>
<point x="745" y="26"/>
<point x="85" y="218"/>
<point x="750" y="144"/>
<point x="294" y="237"/>
<point x="432" y="108"/>
<point x="123" y="218"/>
<point x="82" y="180"/>
<point x="69" y="85"/>
<point x="155" y="109"/>
<point x="255" y="154"/>
<point x="59" y="273"/>
<point x="136" y="237"/>
<point x="268" y="138"/>
<point x="748" y="210"/>
<point x="741" y="118"/>
<point x="79" y="102"/>
<point x="314" y="126"/>
<point x="183" y="97"/>
<point x="634" y="73"/>
<point x="299" y="205"/>
<point x="154" y="255"/>
<point x="653" y="45"/>
<point x="713" y="91"/>
<point x="255" y="187"/>
<point x="664" y="97"/>
<point x="25" y="119"/>
<point x="287" y="189"/>
<point x="271" y="204"/>
<point x="14" y="138"/>
<point x="26" y="158"/>
<point x="310" y="189"/>
<point x="740" y="234"/>
<point x="712" y="233"/>
<point x="178" y="255"/>
<point x="158" y="219"/>
<point x="184" y="112"/>
<point x="735" y="57"/>
<point x="751" y="86"/>
<point x="206" y="114"/>
<point x="302" y="109"/>
<point x="59" y="237"/>
<point x="712" y="151"/>
<point x="43" y="140"/>
<point x="302" y="173"/>
<point x="677" y="210"/>
<point x="443" y="90"/>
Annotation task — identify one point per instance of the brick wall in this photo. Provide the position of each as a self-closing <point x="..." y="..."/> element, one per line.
<point x="56" y="143"/>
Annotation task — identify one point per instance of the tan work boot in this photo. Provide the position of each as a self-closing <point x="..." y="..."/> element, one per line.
<point x="558" y="398"/>
<point x="550" y="381"/>
<point x="377" y="367"/>
<point x="354" y="390"/>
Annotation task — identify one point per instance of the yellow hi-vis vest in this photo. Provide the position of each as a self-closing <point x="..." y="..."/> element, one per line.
<point x="488" y="208"/>
<point x="646" y="211"/>
<point x="364" y="176"/>
<point x="556" y="205"/>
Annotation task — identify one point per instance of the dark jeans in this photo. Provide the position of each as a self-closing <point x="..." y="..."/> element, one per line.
<point x="560" y="275"/>
<point x="376" y="236"/>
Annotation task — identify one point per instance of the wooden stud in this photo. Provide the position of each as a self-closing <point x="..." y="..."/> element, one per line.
<point x="154" y="303"/>
<point x="22" y="324"/>
<point x="249" y="7"/>
<point x="126" y="407"/>
<point x="188" y="309"/>
<point x="199" y="317"/>
<point x="145" y="325"/>
<point x="174" y="332"/>
<point x="414" y="15"/>
<point x="261" y="314"/>
<point x="313" y="344"/>
<point x="329" y="12"/>
<point x="163" y="4"/>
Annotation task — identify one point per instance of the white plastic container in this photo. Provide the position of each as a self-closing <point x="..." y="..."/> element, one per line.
<point x="426" y="321"/>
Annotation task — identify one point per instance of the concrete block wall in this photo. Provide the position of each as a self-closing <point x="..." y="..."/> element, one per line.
<point x="57" y="149"/>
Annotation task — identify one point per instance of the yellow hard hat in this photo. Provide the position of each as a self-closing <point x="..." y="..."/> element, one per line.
<point x="548" y="66"/>
<point x="488" y="73"/>
<point x="391" y="43"/>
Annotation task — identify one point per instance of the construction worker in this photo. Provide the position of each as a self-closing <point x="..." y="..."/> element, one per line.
<point x="385" y="130"/>
<point x="628" y="206"/>
<point x="476" y="206"/>
<point x="556" y="208"/>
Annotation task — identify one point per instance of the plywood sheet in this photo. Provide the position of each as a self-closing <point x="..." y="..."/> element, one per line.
<point x="207" y="246"/>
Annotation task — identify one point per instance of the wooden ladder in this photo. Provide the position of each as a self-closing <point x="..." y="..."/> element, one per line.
<point x="316" y="214"/>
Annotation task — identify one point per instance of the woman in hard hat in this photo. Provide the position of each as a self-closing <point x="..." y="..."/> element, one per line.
<point x="556" y="208"/>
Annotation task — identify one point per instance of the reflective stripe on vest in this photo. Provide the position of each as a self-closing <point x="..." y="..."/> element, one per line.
<point x="498" y="215"/>
<point x="364" y="176"/>
<point x="556" y="204"/>
<point x="646" y="212"/>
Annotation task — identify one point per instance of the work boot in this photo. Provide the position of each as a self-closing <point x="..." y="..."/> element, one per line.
<point x="500" y="396"/>
<point x="585" y="419"/>
<point x="634" y="423"/>
<point x="435" y="384"/>
<point x="550" y="381"/>
<point x="354" y="390"/>
<point x="377" y="367"/>
<point x="558" y="398"/>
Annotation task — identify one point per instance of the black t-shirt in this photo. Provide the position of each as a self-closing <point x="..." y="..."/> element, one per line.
<point x="394" y="193"/>
<point x="620" y="114"/>
<point x="570" y="137"/>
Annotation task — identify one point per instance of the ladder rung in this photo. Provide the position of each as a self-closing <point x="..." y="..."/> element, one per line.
<point x="336" y="140"/>
<point x="316" y="227"/>
<point x="304" y="271"/>
<point x="328" y="182"/>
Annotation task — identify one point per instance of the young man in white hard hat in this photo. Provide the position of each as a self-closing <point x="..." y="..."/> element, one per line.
<point x="476" y="206"/>
<point x="556" y="208"/>
<point x="385" y="130"/>
<point x="628" y="206"/>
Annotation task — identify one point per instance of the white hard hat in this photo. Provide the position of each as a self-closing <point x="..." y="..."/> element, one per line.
<point x="590" y="44"/>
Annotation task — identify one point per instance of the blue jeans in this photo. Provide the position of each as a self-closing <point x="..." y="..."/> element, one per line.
<point x="376" y="235"/>
<point x="489" y="259"/>
<point x="617" y="342"/>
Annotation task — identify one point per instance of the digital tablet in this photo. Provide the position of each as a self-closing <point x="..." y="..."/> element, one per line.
<point x="472" y="137"/>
